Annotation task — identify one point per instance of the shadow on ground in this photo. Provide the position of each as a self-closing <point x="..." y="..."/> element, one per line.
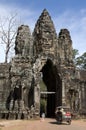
<point x="55" y="123"/>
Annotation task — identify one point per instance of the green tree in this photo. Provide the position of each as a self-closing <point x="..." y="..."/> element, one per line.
<point x="75" y="53"/>
<point x="81" y="61"/>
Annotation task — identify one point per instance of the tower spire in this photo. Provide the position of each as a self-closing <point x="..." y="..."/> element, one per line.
<point x="44" y="34"/>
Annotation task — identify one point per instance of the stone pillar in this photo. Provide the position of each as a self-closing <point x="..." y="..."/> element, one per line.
<point x="37" y="99"/>
<point x="80" y="105"/>
<point x="83" y="97"/>
<point x="63" y="93"/>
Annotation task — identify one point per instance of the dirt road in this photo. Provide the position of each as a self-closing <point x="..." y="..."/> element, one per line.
<point x="47" y="124"/>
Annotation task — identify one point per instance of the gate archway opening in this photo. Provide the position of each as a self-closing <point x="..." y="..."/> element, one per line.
<point x="50" y="89"/>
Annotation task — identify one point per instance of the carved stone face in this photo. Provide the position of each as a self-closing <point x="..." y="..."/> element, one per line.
<point x="23" y="40"/>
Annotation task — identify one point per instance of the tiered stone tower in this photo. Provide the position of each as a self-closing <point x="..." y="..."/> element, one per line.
<point x="45" y="37"/>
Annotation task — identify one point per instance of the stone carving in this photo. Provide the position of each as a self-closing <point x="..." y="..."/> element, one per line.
<point x="45" y="37"/>
<point x="42" y="55"/>
<point x="23" y="41"/>
<point x="65" y="46"/>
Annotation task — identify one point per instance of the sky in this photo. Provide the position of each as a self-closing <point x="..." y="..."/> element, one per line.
<point x="70" y="14"/>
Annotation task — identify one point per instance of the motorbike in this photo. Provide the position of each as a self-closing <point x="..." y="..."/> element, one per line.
<point x="63" y="114"/>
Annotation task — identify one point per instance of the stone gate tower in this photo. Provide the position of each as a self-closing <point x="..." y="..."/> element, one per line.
<point x="41" y="56"/>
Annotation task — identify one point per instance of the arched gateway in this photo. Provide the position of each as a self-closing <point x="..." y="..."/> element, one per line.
<point x="42" y="58"/>
<point x="47" y="72"/>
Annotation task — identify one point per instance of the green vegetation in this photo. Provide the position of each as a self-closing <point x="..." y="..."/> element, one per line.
<point x="42" y="86"/>
<point x="79" y="61"/>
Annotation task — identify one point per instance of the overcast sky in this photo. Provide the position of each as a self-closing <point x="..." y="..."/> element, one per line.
<point x="70" y="14"/>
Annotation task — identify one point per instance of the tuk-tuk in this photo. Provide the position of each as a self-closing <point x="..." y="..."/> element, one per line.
<point x="63" y="114"/>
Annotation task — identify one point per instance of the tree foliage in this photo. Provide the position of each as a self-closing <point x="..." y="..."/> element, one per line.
<point x="75" y="53"/>
<point x="80" y="61"/>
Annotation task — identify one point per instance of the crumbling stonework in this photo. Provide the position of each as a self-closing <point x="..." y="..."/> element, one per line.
<point x="65" y="46"/>
<point x="23" y="41"/>
<point x="45" y="37"/>
<point x="41" y="56"/>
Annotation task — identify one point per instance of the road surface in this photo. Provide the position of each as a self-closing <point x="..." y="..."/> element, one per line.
<point x="46" y="124"/>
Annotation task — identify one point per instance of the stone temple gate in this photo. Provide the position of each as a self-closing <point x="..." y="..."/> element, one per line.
<point x="41" y="56"/>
